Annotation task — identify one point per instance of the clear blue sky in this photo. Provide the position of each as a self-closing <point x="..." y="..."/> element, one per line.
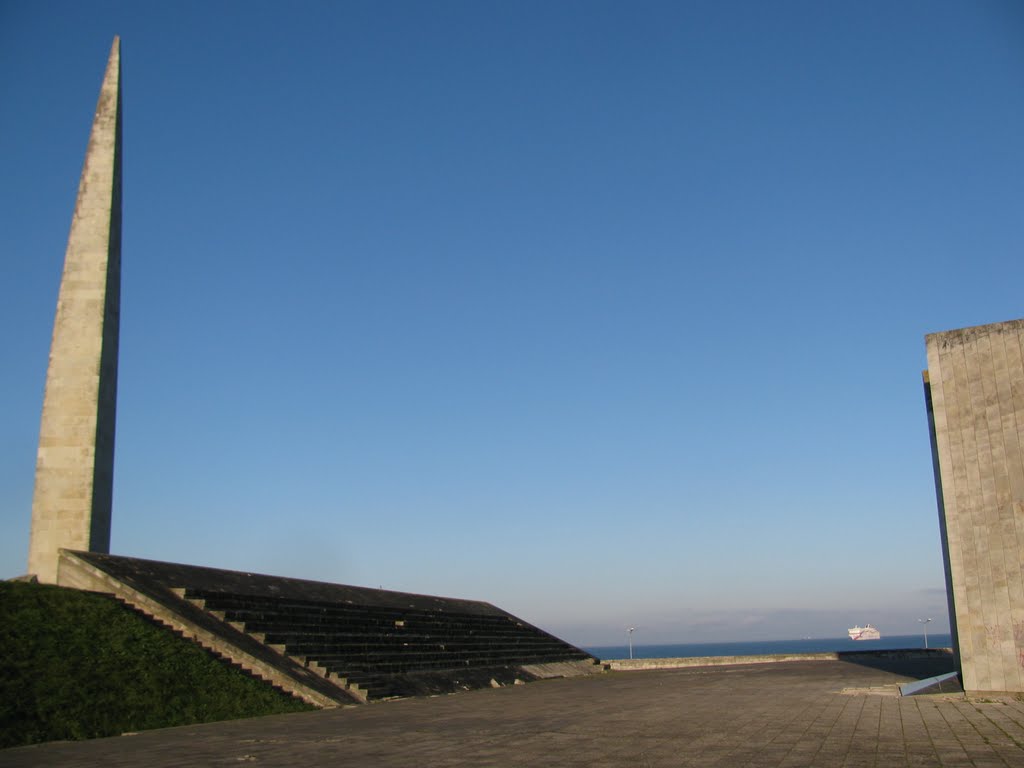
<point x="611" y="314"/>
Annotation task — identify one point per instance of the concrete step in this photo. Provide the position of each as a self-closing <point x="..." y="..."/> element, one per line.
<point x="350" y="668"/>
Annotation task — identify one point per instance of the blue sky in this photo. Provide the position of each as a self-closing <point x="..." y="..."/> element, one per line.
<point x="611" y="314"/>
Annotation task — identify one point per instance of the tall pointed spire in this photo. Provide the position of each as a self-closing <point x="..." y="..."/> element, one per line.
<point x="75" y="462"/>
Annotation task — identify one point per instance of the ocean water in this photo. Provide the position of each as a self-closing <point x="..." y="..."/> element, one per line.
<point x="755" y="647"/>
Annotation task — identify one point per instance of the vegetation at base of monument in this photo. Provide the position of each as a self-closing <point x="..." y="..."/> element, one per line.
<point x="77" y="665"/>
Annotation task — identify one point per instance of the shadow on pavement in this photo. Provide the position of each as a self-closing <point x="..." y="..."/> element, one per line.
<point x="917" y="664"/>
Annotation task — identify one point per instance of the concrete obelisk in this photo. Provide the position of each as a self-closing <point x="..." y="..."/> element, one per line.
<point x="75" y="462"/>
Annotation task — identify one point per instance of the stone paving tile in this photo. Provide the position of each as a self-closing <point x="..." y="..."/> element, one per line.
<point x="792" y="715"/>
<point x="1004" y="720"/>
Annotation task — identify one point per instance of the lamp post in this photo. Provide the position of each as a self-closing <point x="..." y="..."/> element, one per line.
<point x="924" y="623"/>
<point x="629" y="635"/>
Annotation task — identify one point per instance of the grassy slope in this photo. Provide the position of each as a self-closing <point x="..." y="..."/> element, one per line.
<point x="76" y="665"/>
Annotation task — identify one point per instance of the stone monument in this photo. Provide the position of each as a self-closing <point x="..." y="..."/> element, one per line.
<point x="329" y="644"/>
<point x="974" y="389"/>
<point x="75" y="462"/>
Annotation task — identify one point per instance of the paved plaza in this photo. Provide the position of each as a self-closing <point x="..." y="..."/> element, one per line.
<point x="809" y="713"/>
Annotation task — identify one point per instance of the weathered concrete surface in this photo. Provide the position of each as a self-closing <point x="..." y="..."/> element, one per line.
<point x="75" y="461"/>
<point x="821" y="714"/>
<point x="975" y="391"/>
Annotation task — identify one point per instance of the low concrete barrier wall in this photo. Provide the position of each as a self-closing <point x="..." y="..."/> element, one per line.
<point x="714" y="661"/>
<point x="717" y="661"/>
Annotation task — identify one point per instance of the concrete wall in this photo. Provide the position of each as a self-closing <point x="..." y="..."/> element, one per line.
<point x="75" y="462"/>
<point x="686" y="662"/>
<point x="975" y="379"/>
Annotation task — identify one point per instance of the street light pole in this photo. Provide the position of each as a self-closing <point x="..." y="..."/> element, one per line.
<point x="924" y="623"/>
<point x="629" y="634"/>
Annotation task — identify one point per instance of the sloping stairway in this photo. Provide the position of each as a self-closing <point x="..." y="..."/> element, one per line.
<point x="389" y="651"/>
<point x="333" y="644"/>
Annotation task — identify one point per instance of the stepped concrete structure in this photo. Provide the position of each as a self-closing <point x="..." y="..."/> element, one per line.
<point x="333" y="644"/>
<point x="75" y="461"/>
<point x="974" y="390"/>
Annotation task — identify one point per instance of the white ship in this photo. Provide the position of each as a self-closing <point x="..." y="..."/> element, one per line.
<point x="864" y="633"/>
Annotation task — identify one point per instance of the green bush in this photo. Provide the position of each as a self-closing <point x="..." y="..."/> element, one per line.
<point x="78" y="665"/>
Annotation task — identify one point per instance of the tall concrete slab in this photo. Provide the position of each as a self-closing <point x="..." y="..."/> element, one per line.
<point x="974" y="389"/>
<point x="75" y="461"/>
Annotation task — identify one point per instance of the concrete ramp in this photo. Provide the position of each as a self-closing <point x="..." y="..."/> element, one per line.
<point x="947" y="683"/>
<point x="332" y="644"/>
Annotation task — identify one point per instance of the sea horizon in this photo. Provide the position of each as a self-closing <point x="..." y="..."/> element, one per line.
<point x="761" y="647"/>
